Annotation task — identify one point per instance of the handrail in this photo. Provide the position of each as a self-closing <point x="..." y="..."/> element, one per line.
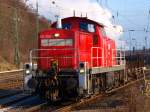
<point x="118" y="57"/>
<point x="97" y="57"/>
<point x="121" y="56"/>
<point x="74" y="55"/>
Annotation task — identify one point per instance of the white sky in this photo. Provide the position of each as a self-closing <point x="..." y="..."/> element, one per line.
<point x="65" y="8"/>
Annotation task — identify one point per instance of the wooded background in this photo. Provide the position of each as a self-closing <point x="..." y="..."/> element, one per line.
<point x="18" y="32"/>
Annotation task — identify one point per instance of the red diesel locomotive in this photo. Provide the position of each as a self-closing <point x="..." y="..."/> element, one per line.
<point x="74" y="58"/>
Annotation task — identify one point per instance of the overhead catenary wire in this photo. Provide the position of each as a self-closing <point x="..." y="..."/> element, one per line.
<point x="142" y="29"/>
<point x="127" y="19"/>
<point x="118" y="14"/>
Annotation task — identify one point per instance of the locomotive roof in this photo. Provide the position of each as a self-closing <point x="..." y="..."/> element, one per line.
<point x="82" y="18"/>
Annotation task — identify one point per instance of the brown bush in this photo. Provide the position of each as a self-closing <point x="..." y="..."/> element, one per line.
<point x="26" y="24"/>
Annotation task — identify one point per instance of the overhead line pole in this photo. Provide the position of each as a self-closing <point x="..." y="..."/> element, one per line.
<point x="130" y="40"/>
<point x="16" y="36"/>
<point x="148" y="22"/>
<point x="37" y="19"/>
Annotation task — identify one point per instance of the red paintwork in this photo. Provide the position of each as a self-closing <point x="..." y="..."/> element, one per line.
<point x="113" y="52"/>
<point x="105" y="51"/>
<point x="81" y="50"/>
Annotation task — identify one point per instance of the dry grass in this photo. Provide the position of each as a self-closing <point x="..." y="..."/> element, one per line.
<point x="5" y="66"/>
<point x="26" y="32"/>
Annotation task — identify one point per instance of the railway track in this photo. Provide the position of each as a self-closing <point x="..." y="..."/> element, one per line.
<point x="96" y="97"/>
<point x="12" y="97"/>
<point x="6" y="93"/>
<point x="27" y="103"/>
<point x="22" y="102"/>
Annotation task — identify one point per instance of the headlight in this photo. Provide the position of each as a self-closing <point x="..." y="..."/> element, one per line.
<point x="27" y="71"/>
<point x="81" y="70"/>
<point x="56" y="35"/>
<point x="144" y="68"/>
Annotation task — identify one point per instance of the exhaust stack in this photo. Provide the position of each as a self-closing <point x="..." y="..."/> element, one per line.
<point x="59" y="22"/>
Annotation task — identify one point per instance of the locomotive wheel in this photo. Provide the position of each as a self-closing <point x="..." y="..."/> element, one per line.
<point x="54" y="94"/>
<point x="116" y="80"/>
<point x="48" y="89"/>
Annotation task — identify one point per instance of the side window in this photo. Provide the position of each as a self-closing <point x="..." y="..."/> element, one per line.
<point x="66" y="26"/>
<point x="91" y="28"/>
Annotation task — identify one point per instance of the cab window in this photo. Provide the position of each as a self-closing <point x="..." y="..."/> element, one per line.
<point x="84" y="26"/>
<point x="66" y="26"/>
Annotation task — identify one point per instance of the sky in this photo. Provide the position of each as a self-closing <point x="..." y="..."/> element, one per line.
<point x="130" y="16"/>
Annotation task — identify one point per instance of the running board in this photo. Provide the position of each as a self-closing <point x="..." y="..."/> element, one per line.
<point x="96" y="70"/>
